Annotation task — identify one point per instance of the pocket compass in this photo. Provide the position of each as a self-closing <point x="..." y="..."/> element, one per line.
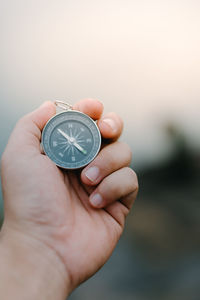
<point x="71" y="139"/>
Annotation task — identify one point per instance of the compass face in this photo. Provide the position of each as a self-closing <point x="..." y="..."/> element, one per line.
<point x="71" y="139"/>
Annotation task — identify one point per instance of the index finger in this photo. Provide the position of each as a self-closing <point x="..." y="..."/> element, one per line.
<point x="91" y="107"/>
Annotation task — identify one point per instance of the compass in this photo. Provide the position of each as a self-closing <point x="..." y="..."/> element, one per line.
<point x="71" y="139"/>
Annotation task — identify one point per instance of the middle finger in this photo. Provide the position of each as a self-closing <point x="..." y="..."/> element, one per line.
<point x="110" y="158"/>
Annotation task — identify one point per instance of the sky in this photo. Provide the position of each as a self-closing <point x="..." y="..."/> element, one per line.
<point x="140" y="58"/>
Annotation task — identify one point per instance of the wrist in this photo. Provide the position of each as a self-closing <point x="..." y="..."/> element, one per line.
<point x="32" y="269"/>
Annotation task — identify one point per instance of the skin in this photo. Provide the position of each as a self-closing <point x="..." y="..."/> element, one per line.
<point x="56" y="232"/>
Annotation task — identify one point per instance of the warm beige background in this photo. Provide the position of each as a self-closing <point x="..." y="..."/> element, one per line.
<point x="141" y="58"/>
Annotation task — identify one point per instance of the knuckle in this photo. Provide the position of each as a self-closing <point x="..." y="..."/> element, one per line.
<point x="107" y="159"/>
<point x="126" y="150"/>
<point x="134" y="179"/>
<point x="20" y="123"/>
<point x="129" y="153"/>
<point x="109" y="188"/>
<point x="22" y="120"/>
<point x="114" y="156"/>
<point x="116" y="189"/>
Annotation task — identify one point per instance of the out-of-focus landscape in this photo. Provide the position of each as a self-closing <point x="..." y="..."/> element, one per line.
<point x="142" y="60"/>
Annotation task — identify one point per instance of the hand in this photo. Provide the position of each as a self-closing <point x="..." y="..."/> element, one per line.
<point x="74" y="219"/>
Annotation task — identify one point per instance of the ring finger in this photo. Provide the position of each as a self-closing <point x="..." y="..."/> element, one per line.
<point x="119" y="184"/>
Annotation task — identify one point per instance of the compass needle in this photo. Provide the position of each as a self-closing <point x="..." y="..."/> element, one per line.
<point x="80" y="148"/>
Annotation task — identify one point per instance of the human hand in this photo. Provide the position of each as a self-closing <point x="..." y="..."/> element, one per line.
<point x="74" y="218"/>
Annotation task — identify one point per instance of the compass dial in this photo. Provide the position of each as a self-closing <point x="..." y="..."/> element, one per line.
<point x="71" y="139"/>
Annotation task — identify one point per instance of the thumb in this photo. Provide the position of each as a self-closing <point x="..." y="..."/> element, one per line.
<point x="41" y="115"/>
<point x="27" y="131"/>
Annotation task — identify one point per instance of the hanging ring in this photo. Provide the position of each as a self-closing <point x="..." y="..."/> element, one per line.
<point x="63" y="105"/>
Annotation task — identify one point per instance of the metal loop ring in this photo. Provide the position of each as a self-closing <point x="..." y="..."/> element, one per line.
<point x="63" y="105"/>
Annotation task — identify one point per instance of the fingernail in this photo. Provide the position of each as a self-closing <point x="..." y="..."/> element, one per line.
<point x="96" y="200"/>
<point x="111" y="123"/>
<point x="92" y="173"/>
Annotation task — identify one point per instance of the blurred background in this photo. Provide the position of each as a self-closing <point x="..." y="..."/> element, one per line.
<point x="141" y="58"/>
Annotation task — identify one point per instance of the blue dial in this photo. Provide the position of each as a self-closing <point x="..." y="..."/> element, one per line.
<point x="71" y="139"/>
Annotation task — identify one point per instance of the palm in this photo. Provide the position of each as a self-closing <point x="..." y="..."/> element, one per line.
<point x="66" y="214"/>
